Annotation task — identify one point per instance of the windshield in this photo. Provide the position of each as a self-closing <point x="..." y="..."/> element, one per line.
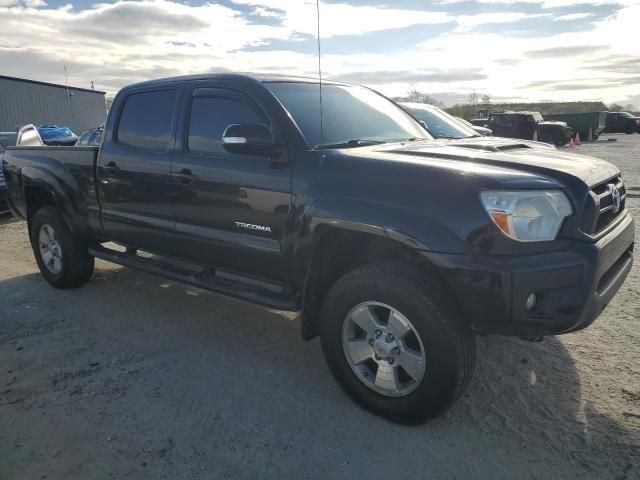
<point x="351" y="115"/>
<point x="625" y="114"/>
<point x="440" y="123"/>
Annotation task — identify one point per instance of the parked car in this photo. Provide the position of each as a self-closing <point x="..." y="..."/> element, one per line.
<point x="29" y="136"/>
<point x="53" y="135"/>
<point x="90" y="137"/>
<point x="442" y="125"/>
<point x="622" y="122"/>
<point x="524" y="125"/>
<point x="439" y="123"/>
<point x="38" y="135"/>
<point x="487" y="132"/>
<point x="7" y="139"/>
<point x="397" y="249"/>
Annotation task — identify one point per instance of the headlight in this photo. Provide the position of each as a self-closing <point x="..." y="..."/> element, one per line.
<point x="527" y="216"/>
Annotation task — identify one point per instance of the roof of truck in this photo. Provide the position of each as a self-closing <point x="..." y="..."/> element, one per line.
<point x="260" y="77"/>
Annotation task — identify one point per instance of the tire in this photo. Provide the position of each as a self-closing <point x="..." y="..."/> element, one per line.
<point x="445" y="342"/>
<point x="546" y="138"/>
<point x="68" y="263"/>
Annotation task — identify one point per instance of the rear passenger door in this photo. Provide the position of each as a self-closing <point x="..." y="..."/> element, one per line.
<point x="231" y="209"/>
<point x="134" y="169"/>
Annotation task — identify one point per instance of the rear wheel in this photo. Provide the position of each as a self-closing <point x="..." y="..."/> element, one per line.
<point x="395" y="343"/>
<point x="63" y="259"/>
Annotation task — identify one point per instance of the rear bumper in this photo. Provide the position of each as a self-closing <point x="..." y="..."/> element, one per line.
<point x="572" y="287"/>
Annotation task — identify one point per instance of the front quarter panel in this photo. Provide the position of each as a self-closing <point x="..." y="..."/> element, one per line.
<point x="433" y="208"/>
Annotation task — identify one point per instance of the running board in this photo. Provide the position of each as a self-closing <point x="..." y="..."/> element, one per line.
<point x="203" y="278"/>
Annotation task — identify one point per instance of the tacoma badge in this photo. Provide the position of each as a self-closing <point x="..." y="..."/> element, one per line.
<point x="251" y="226"/>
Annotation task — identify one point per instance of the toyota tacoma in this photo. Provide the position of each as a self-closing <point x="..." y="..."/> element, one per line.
<point x="330" y="200"/>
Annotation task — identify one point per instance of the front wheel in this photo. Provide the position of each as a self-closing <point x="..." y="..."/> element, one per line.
<point x="63" y="258"/>
<point x="546" y="138"/>
<point x="395" y="343"/>
<point x="559" y="141"/>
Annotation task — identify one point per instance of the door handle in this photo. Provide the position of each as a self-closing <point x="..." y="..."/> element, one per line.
<point x="111" y="168"/>
<point x="185" y="176"/>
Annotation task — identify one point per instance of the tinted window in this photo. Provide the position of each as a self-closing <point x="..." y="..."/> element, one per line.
<point x="97" y="140"/>
<point x="348" y="113"/>
<point x="145" y="121"/>
<point x="209" y="118"/>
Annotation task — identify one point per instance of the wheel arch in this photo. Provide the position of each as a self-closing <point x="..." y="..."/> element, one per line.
<point x="339" y="247"/>
<point x="41" y="189"/>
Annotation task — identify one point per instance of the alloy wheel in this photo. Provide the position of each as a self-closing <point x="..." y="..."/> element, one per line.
<point x="383" y="349"/>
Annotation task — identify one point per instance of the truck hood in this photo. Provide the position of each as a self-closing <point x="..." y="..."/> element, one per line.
<point x="509" y="154"/>
<point x="496" y="144"/>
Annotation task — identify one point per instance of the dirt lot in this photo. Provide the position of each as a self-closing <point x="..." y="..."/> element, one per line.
<point x="134" y="376"/>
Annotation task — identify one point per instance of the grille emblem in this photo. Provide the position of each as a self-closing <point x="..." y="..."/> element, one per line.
<point x="616" y="198"/>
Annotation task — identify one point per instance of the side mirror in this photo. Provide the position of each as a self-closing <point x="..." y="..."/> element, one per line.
<point x="254" y="138"/>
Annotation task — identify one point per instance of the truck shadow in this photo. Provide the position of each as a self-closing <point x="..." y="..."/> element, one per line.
<point x="6" y="218"/>
<point x="247" y="369"/>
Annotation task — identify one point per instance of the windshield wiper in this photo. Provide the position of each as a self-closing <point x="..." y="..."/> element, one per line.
<point x="356" y="142"/>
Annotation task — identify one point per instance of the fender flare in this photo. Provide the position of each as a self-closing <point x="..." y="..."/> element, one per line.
<point x="315" y="221"/>
<point x="46" y="181"/>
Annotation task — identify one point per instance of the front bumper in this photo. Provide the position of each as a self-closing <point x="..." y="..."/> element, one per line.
<point x="572" y="286"/>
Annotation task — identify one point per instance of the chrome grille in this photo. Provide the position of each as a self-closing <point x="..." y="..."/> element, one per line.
<point x="610" y="199"/>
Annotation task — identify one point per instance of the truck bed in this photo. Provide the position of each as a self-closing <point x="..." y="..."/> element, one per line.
<point x="68" y="171"/>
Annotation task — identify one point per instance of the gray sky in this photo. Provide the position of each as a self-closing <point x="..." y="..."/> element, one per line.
<point x="513" y="50"/>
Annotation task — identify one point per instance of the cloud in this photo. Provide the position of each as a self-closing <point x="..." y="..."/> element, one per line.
<point x="584" y="84"/>
<point x="567" y="51"/>
<point x="449" y="46"/>
<point x="407" y="76"/>
<point x="132" y="20"/>
<point x="509" y="62"/>
<point x="380" y="41"/>
<point x="615" y="64"/>
<point x="25" y="3"/>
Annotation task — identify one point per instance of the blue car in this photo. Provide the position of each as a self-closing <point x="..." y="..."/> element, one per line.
<point x="55" y="135"/>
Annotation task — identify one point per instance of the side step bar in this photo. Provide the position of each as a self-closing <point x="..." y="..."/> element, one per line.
<point x="205" y="279"/>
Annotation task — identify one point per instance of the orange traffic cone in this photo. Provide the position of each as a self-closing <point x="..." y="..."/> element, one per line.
<point x="571" y="143"/>
<point x="590" y="137"/>
<point x="578" y="139"/>
<point x="535" y="135"/>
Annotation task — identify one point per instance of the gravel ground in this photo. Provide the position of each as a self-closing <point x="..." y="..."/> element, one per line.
<point x="135" y="376"/>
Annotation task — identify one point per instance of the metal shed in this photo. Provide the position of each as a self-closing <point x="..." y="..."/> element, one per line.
<point x="28" y="101"/>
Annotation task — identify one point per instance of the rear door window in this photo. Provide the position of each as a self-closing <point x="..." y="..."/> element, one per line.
<point x="146" y="120"/>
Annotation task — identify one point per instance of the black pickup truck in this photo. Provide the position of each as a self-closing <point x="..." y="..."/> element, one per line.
<point x="395" y="248"/>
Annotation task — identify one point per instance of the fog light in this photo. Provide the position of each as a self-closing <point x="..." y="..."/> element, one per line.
<point x="531" y="301"/>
